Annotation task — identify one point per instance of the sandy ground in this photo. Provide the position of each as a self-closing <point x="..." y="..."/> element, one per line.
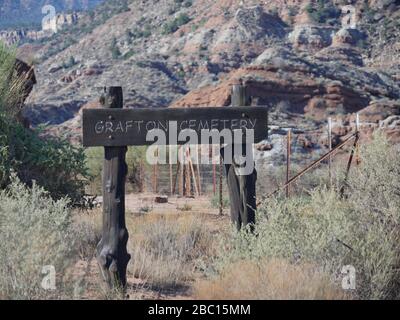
<point x="134" y="203"/>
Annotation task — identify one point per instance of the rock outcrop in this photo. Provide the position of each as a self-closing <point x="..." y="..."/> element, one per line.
<point x="13" y="37"/>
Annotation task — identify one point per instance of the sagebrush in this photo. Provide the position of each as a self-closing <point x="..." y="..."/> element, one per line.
<point x="35" y="231"/>
<point x="330" y="231"/>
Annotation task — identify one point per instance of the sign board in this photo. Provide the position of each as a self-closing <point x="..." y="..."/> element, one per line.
<point x="127" y="127"/>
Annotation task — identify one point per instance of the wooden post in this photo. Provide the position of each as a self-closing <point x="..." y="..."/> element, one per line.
<point x="199" y="149"/>
<point x="353" y="150"/>
<point x="221" y="204"/>
<point x="358" y="135"/>
<point x="181" y="173"/>
<point x="155" y="173"/>
<point x="154" y="177"/>
<point x="188" y="175"/>
<point x="141" y="185"/>
<point x="242" y="188"/>
<point x="191" y="168"/>
<point x="330" y="149"/>
<point x="214" y="169"/>
<point x="171" y="189"/>
<point x="170" y="172"/>
<point x="112" y="255"/>
<point x="176" y="177"/>
<point x="288" y="149"/>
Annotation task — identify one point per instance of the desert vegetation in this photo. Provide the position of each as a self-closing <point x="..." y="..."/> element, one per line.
<point x="297" y="251"/>
<point x="53" y="163"/>
<point x="299" y="245"/>
<point x="328" y="231"/>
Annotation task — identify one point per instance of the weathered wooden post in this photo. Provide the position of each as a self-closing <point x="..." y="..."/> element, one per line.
<point x="288" y="154"/>
<point x="170" y="172"/>
<point x="242" y="188"/>
<point x="112" y="254"/>
<point x="199" y="150"/>
<point x="358" y="135"/>
<point x="221" y="203"/>
<point x="214" y="174"/>
<point x="330" y="149"/>
<point x="181" y="165"/>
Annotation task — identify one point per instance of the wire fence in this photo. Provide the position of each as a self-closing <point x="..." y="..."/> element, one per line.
<point x="290" y="153"/>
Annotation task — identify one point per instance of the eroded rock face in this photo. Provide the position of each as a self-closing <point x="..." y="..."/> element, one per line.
<point x="255" y="23"/>
<point x="12" y="37"/>
<point x="311" y="37"/>
<point x="347" y="36"/>
<point x="381" y="4"/>
<point x="307" y="86"/>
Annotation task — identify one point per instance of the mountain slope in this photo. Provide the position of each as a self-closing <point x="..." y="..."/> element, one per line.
<point x="297" y="55"/>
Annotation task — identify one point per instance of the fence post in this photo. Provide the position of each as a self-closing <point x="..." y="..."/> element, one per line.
<point x="112" y="255"/>
<point x="199" y="150"/>
<point x="188" y="182"/>
<point x="221" y="204"/>
<point x="155" y="168"/>
<point x="358" y="135"/>
<point x="141" y="178"/>
<point x="242" y="188"/>
<point x="191" y="169"/>
<point x="214" y="179"/>
<point x="181" y="172"/>
<point x="288" y="147"/>
<point x="171" y="183"/>
<point x="330" y="149"/>
<point x="171" y="187"/>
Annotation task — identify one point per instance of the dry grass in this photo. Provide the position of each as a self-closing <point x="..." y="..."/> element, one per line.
<point x="268" y="279"/>
<point x="167" y="250"/>
<point x="87" y="229"/>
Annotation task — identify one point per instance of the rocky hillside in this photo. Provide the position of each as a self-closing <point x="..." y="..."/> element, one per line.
<point x="306" y="59"/>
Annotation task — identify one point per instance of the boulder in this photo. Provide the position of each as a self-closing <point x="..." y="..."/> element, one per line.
<point x="347" y="36"/>
<point x="54" y="68"/>
<point x="161" y="199"/>
<point x="311" y="37"/>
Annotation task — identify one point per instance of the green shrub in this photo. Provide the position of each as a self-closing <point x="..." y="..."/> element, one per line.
<point x="325" y="229"/>
<point x="115" y="52"/>
<point x="323" y="11"/>
<point x="174" y="25"/>
<point x="135" y="157"/>
<point x="129" y="54"/>
<point x="215" y="202"/>
<point x="138" y="33"/>
<point x="54" y="163"/>
<point x="71" y="62"/>
<point x="35" y="231"/>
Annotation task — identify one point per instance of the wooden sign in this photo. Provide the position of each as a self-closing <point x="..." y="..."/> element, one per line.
<point x="124" y="127"/>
